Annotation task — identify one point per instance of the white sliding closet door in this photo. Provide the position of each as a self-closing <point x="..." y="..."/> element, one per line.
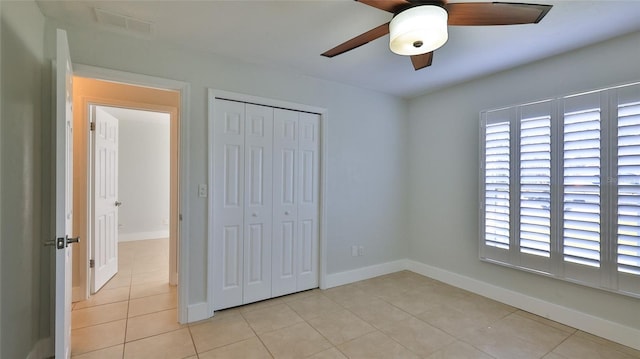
<point x="228" y="199"/>
<point x="258" y="202"/>
<point x="285" y="206"/>
<point x="308" y="201"/>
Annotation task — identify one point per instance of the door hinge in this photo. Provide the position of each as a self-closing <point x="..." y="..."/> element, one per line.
<point x="92" y="126"/>
<point x="92" y="263"/>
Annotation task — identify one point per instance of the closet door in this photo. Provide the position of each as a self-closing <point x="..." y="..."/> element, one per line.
<point x="308" y="201"/>
<point x="228" y="199"/>
<point x="285" y="206"/>
<point x="258" y="202"/>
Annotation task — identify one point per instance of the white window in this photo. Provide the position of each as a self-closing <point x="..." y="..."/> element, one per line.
<point x="560" y="188"/>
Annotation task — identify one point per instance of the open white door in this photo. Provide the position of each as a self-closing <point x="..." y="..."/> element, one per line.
<point x="64" y="194"/>
<point x="104" y="221"/>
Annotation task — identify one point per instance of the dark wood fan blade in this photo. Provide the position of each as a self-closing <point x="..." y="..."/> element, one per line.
<point x="393" y="6"/>
<point x="496" y="13"/>
<point x="358" y="40"/>
<point x="422" y="61"/>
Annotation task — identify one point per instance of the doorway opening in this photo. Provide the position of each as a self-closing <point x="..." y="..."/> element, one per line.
<point x="126" y="206"/>
<point x="129" y="198"/>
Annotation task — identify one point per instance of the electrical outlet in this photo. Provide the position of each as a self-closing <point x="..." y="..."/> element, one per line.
<point x="202" y="190"/>
<point x="354" y="251"/>
<point x="361" y="250"/>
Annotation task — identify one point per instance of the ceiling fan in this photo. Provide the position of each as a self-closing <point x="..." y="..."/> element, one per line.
<point x="419" y="27"/>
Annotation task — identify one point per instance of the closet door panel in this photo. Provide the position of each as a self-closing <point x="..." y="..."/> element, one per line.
<point x="228" y="199"/>
<point x="285" y="198"/>
<point x="308" y="202"/>
<point x="258" y="203"/>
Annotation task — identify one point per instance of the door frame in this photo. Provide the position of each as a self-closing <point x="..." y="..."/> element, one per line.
<point x="183" y="88"/>
<point x="214" y="94"/>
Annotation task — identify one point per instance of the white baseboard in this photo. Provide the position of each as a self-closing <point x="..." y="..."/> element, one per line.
<point x="198" y="311"/>
<point x="42" y="349"/>
<point x="350" y="276"/>
<point x="588" y="323"/>
<point x="139" y="236"/>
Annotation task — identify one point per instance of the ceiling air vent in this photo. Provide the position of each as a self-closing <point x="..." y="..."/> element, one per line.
<point x="124" y="22"/>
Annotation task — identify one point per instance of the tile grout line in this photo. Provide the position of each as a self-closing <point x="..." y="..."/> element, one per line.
<point x="193" y="342"/>
<point x="256" y="334"/>
<point x="314" y="328"/>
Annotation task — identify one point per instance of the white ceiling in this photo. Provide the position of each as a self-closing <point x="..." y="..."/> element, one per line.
<point x="291" y="35"/>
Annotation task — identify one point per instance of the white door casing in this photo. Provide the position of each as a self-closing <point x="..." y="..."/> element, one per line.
<point x="64" y="193"/>
<point x="104" y="219"/>
<point x="285" y="209"/>
<point x="257" y="203"/>
<point x="228" y="199"/>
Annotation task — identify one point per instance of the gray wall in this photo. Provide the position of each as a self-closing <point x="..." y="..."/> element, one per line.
<point x="366" y="159"/>
<point x="444" y="165"/>
<point x="25" y="263"/>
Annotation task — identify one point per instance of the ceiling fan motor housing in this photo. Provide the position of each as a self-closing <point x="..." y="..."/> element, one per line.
<point x="418" y="30"/>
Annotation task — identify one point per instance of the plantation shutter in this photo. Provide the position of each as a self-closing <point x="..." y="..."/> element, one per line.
<point x="560" y="188"/>
<point x="581" y="171"/>
<point x="497" y="190"/>
<point x="628" y="189"/>
<point x="535" y="184"/>
<point x="497" y="174"/>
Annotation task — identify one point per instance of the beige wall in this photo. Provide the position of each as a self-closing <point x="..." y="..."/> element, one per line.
<point x="90" y="91"/>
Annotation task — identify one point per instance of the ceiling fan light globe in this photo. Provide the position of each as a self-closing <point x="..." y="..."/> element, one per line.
<point x="425" y="25"/>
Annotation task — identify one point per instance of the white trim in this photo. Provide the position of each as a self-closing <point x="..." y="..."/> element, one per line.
<point x="583" y="321"/>
<point x="183" y="128"/>
<point x="354" y="275"/>
<point x="138" y="236"/>
<point x="323" y="112"/>
<point x="322" y="262"/>
<point x="198" y="311"/>
<point x="42" y="349"/>
<point x="210" y="204"/>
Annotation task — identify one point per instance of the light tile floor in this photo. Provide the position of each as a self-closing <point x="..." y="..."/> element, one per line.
<point x="400" y="315"/>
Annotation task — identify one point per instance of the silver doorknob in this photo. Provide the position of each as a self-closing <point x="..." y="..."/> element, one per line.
<point x="118" y="203"/>
<point x="61" y="242"/>
<point x="286" y="213"/>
